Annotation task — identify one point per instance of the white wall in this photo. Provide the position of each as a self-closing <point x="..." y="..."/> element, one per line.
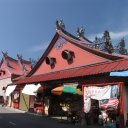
<point x="4" y="83"/>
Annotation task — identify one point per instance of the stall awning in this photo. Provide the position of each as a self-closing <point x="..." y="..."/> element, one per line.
<point x="10" y="89"/>
<point x="30" y="89"/>
<point x="122" y="73"/>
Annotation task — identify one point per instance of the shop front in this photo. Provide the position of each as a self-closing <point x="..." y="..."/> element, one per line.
<point x="68" y="100"/>
<point x="36" y="98"/>
<point x="28" y="96"/>
<point x="102" y="102"/>
<point x="106" y="99"/>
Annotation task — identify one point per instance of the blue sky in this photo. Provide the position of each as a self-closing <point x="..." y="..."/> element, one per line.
<point x="28" y="26"/>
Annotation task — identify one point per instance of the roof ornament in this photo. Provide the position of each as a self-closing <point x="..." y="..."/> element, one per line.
<point x="60" y="25"/>
<point x="5" y="54"/>
<point x="19" y="57"/>
<point x="80" y="32"/>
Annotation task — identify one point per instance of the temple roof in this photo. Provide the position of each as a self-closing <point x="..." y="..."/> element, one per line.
<point x="114" y="62"/>
<point x="15" y="66"/>
<point x="81" y="43"/>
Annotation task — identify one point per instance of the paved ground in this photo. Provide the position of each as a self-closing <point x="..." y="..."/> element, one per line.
<point x="12" y="118"/>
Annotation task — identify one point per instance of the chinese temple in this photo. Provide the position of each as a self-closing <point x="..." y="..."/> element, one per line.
<point x="71" y="60"/>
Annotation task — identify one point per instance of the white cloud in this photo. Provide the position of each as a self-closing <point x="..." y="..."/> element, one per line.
<point x="118" y="35"/>
<point x="39" y="47"/>
<point x="113" y="35"/>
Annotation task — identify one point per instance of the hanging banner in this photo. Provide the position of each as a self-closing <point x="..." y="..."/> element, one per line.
<point x="97" y="93"/>
<point x="87" y="104"/>
<point x="107" y="96"/>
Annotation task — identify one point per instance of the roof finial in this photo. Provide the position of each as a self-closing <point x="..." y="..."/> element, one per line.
<point x="80" y="32"/>
<point x="19" y="57"/>
<point x="5" y="54"/>
<point x="60" y="25"/>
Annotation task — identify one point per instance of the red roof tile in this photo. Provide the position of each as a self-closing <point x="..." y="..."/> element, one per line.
<point x="78" y="72"/>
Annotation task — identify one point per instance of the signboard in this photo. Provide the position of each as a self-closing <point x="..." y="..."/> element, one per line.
<point x="97" y="93"/>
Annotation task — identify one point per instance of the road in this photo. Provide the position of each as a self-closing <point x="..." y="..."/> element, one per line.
<point x="10" y="118"/>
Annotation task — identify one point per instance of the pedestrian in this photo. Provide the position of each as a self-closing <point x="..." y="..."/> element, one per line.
<point x="100" y="120"/>
<point x="110" y="123"/>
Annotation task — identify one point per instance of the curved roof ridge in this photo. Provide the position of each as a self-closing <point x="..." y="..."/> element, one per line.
<point x="26" y="61"/>
<point x="10" y="58"/>
<point x="83" y="43"/>
<point x="69" y="38"/>
<point x="102" y="52"/>
<point x="85" y="39"/>
<point x="124" y="56"/>
<point x="74" y="38"/>
<point x="69" y="34"/>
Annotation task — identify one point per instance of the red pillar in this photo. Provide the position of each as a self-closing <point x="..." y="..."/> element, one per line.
<point x="121" y="100"/>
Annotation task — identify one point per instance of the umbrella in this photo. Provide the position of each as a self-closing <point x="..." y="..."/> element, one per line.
<point x="57" y="90"/>
<point x="66" y="89"/>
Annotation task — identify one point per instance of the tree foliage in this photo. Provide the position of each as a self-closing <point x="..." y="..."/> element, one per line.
<point x="105" y="44"/>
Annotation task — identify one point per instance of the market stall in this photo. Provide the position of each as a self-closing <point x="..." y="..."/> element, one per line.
<point x="101" y="102"/>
